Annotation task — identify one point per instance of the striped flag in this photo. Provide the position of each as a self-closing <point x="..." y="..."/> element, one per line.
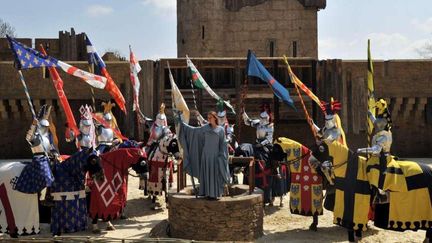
<point x="301" y="85"/>
<point x="58" y="85"/>
<point x="371" y="95"/>
<point x="200" y="83"/>
<point x="26" y="58"/>
<point x="178" y="101"/>
<point x="100" y="68"/>
<point x="135" y="68"/>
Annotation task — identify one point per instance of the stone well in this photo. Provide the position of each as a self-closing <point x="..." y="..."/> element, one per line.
<point x="237" y="217"/>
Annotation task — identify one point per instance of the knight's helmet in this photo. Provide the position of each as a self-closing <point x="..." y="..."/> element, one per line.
<point x="383" y="118"/>
<point x="330" y="110"/>
<point x="221" y="113"/>
<point x="43" y="127"/>
<point x="43" y="118"/>
<point x="105" y="135"/>
<point x="86" y="121"/>
<point x="161" y="119"/>
<point x="265" y="115"/>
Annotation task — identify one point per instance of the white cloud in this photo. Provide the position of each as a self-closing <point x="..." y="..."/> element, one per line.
<point x="162" y="7"/>
<point x="424" y="26"/>
<point x="383" y="46"/>
<point x="98" y="10"/>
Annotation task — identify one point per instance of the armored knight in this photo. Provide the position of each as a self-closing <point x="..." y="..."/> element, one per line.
<point x="332" y="130"/>
<point x="159" y="127"/>
<point x="42" y="133"/>
<point x="104" y="132"/>
<point x="382" y="139"/>
<point x="86" y="138"/>
<point x="264" y="128"/>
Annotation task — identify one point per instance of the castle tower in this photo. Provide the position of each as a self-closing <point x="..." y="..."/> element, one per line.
<point x="228" y="28"/>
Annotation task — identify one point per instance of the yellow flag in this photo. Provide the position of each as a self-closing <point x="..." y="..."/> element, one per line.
<point x="371" y="95"/>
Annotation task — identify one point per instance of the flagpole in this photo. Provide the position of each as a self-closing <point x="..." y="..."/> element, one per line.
<point x="27" y="94"/>
<point x="309" y="120"/>
<point x="371" y="96"/>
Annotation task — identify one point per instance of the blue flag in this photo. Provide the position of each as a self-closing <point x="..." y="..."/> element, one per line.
<point x="26" y="57"/>
<point x="256" y="69"/>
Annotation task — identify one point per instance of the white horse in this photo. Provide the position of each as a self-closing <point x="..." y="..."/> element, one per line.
<point x="20" y="183"/>
<point x="160" y="162"/>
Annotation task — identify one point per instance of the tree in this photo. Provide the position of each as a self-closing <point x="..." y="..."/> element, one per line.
<point x="6" y="29"/>
<point x="426" y="50"/>
<point x="113" y="55"/>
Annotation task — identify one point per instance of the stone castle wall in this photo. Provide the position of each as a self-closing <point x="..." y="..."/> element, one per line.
<point x="229" y="28"/>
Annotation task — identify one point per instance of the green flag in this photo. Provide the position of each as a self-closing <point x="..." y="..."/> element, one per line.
<point x="200" y="83"/>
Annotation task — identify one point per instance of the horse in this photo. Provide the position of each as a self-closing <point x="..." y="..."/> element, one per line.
<point x="407" y="185"/>
<point x="306" y="183"/>
<point x="20" y="183"/>
<point x="108" y="197"/>
<point x="270" y="175"/>
<point x="69" y="213"/>
<point x="161" y="167"/>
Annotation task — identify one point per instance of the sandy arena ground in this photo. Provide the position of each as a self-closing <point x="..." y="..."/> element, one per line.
<point x="279" y="225"/>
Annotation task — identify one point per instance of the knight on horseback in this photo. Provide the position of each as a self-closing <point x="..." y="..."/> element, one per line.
<point x="263" y="146"/>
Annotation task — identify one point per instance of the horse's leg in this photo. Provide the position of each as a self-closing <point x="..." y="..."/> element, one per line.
<point x="95" y="228"/>
<point x="314" y="224"/>
<point x="281" y="201"/>
<point x="110" y="226"/>
<point x="358" y="235"/>
<point x="153" y="201"/>
<point x="351" y="235"/>
<point x="428" y="237"/>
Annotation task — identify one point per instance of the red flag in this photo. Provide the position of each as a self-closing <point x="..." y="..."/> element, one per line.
<point x="114" y="91"/>
<point x="58" y="84"/>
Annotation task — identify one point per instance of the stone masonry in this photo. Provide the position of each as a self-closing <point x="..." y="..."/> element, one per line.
<point x="216" y="28"/>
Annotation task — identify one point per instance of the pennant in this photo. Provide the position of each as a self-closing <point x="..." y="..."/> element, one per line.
<point x="177" y="99"/>
<point x="200" y="83"/>
<point x="256" y="69"/>
<point x="371" y="95"/>
<point x="135" y="68"/>
<point x="58" y="85"/>
<point x="300" y="84"/>
<point x="100" y="68"/>
<point x="27" y="58"/>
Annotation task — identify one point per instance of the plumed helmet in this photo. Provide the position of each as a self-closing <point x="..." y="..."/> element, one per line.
<point x="43" y="115"/>
<point x="331" y="108"/>
<point x="161" y="119"/>
<point x="107" y="110"/>
<point x="382" y="112"/>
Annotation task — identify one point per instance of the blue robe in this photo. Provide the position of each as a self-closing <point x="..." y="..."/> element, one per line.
<point x="205" y="156"/>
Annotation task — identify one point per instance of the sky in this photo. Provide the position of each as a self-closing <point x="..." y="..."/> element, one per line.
<point x="397" y="28"/>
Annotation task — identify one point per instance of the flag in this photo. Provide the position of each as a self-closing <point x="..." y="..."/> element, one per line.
<point x="300" y="84"/>
<point x="200" y="83"/>
<point x="256" y="69"/>
<point x="100" y="68"/>
<point x="371" y="94"/>
<point x="177" y="99"/>
<point x="26" y="58"/>
<point x="58" y="85"/>
<point x="135" y="68"/>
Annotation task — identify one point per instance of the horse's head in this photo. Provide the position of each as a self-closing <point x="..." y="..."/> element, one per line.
<point x="169" y="145"/>
<point x="329" y="156"/>
<point x="93" y="165"/>
<point x="277" y="153"/>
